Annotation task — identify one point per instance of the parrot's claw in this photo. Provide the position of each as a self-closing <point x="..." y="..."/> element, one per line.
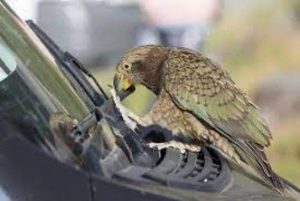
<point x="183" y="147"/>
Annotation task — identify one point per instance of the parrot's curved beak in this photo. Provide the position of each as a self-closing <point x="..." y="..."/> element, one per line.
<point x="121" y="82"/>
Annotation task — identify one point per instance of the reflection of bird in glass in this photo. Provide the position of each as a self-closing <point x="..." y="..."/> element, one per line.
<point x="198" y="100"/>
<point x="62" y="125"/>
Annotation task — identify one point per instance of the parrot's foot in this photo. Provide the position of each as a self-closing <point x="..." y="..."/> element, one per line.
<point x="130" y="119"/>
<point x="183" y="147"/>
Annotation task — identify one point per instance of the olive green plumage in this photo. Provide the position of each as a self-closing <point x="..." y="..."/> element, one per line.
<point x="197" y="98"/>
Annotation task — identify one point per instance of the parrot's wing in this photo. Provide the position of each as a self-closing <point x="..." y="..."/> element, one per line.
<point x="201" y="87"/>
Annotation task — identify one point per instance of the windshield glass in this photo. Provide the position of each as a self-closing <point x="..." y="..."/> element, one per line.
<point x="7" y="61"/>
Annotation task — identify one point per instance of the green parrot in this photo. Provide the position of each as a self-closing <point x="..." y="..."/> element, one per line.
<point x="197" y="99"/>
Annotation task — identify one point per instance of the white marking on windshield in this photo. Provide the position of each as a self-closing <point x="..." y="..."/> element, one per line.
<point x="4" y="196"/>
<point x="7" y="62"/>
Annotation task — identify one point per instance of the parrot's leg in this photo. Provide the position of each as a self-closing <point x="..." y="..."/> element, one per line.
<point x="129" y="117"/>
<point x="183" y="147"/>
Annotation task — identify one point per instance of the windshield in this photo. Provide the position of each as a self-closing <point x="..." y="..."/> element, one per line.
<point x="7" y="61"/>
<point x="27" y="104"/>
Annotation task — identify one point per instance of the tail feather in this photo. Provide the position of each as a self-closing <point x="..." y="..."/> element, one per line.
<point x="253" y="155"/>
<point x="291" y="190"/>
<point x="264" y="166"/>
<point x="250" y="157"/>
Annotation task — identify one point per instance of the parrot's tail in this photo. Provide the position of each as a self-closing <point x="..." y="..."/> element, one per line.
<point x="291" y="190"/>
<point x="252" y="159"/>
<point x="256" y="157"/>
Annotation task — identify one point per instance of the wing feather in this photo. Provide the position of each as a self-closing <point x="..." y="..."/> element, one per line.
<point x="201" y="87"/>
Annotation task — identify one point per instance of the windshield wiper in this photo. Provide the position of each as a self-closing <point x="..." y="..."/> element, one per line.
<point x="73" y="70"/>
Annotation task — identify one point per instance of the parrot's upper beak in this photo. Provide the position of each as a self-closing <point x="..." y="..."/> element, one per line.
<point x="121" y="82"/>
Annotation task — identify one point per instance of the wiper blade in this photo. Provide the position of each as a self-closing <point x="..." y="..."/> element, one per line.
<point x="73" y="69"/>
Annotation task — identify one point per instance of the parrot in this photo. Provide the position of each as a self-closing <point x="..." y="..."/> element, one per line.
<point x="197" y="99"/>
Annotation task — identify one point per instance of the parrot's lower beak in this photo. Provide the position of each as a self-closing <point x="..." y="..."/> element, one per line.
<point x="121" y="82"/>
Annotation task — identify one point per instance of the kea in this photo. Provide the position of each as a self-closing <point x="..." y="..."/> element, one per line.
<point x="198" y="100"/>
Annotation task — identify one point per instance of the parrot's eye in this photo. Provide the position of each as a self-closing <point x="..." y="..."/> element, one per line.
<point x="127" y="66"/>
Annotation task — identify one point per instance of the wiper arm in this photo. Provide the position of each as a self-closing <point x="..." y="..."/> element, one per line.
<point x="73" y="69"/>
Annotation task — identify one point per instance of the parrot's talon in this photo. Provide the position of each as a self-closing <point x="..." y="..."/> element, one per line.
<point x="152" y="144"/>
<point x="182" y="147"/>
<point x="182" y="151"/>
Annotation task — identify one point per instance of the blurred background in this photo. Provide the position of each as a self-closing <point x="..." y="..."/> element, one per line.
<point x="258" y="42"/>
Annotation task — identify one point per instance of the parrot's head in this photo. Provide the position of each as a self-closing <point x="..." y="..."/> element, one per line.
<point x="141" y="66"/>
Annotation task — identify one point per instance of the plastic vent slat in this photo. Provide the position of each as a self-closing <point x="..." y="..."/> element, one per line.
<point x="189" y="165"/>
<point x="170" y="163"/>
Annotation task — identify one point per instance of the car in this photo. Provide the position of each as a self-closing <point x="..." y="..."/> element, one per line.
<point x="64" y="139"/>
<point x="91" y="30"/>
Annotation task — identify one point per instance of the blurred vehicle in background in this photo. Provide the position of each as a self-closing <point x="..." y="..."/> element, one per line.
<point x="178" y="23"/>
<point x="95" y="31"/>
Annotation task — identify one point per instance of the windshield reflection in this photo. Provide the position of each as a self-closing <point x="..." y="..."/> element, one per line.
<point x="7" y="61"/>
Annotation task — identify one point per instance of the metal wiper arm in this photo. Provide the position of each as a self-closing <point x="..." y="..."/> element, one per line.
<point x="73" y="69"/>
